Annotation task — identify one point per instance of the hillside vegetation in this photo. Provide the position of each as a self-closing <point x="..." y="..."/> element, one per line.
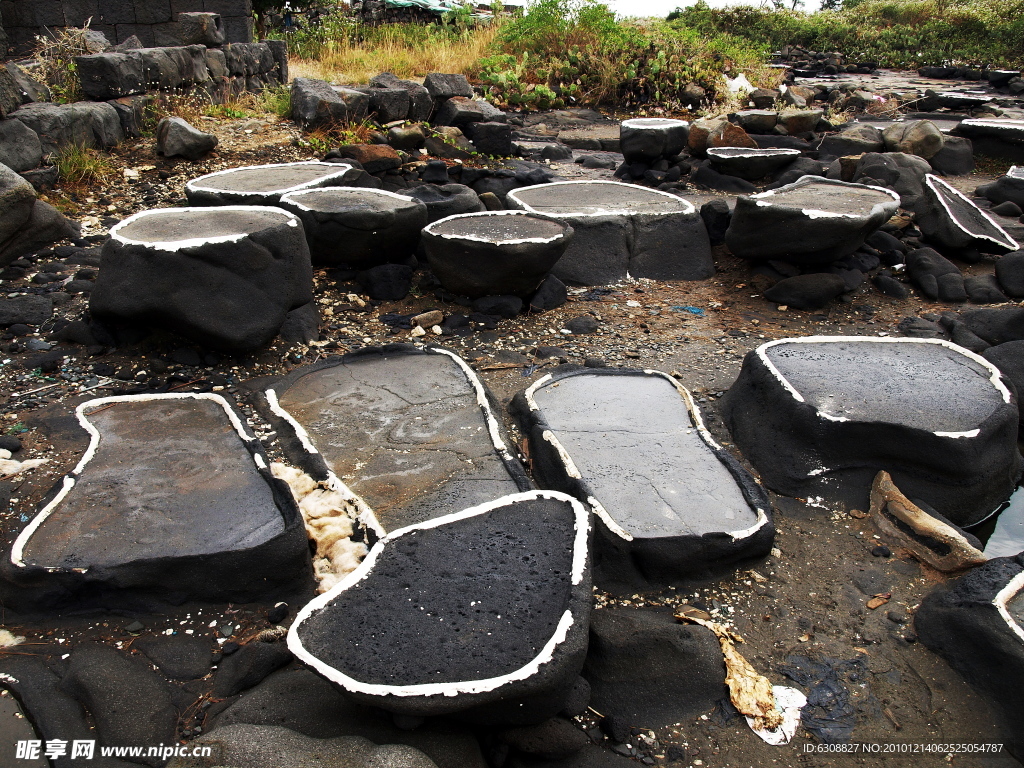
<point x="577" y="53"/>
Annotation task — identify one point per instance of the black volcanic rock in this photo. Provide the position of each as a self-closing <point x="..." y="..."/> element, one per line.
<point x="954" y="225"/>
<point x="820" y="416"/>
<point x="500" y="593"/>
<point x="671" y="500"/>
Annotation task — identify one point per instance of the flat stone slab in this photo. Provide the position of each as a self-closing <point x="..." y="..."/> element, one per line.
<point x="265" y="184"/>
<point x="225" y="277"/>
<point x="996" y="137"/>
<point x="621" y="229"/>
<point x="497" y="253"/>
<point x="819" y="416"/>
<point x="499" y="594"/>
<point x="811" y="221"/>
<point x="173" y="495"/>
<point x="750" y="164"/>
<point x="357" y="227"/>
<point x="955" y="225"/>
<point x="632" y="444"/>
<point x="976" y="623"/>
<point x="413" y="432"/>
<point x="963" y="100"/>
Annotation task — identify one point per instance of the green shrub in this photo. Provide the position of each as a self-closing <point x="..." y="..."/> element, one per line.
<point x="894" y="33"/>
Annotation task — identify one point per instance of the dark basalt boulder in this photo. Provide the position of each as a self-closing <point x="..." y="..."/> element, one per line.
<point x="820" y="416"/>
<point x="621" y="229"/>
<point x="750" y="164"/>
<point x="1009" y="187"/>
<point x="177" y="138"/>
<point x="855" y="140"/>
<point x="976" y="623"/>
<point x="937" y="277"/>
<point x="500" y="592"/>
<point x="952" y="223"/>
<point x="266" y="184"/>
<point x="647" y="139"/>
<point x="357" y="227"/>
<point x="811" y="221"/>
<point x="956" y="158"/>
<point x="645" y="669"/>
<point x="224" y="277"/>
<point x="446" y="200"/>
<point x="1009" y="359"/>
<point x="811" y="291"/>
<point x="412" y="431"/>
<point x="497" y="253"/>
<point x="1010" y="273"/>
<point x="669" y="500"/>
<point x="898" y="171"/>
<point x="153" y="509"/>
<point x="995" y="137"/>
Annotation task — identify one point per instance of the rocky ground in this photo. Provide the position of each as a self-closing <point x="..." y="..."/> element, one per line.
<point x="808" y="599"/>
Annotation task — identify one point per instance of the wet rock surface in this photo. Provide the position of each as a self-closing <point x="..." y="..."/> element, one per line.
<point x="412" y="432"/>
<point x="669" y="500"/>
<point x="840" y="432"/>
<point x="147" y="509"/>
<point x="502" y="590"/>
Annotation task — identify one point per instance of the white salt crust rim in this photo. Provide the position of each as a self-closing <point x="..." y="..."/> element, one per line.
<point x="943" y="189"/>
<point x="487" y="214"/>
<point x="1002" y="603"/>
<point x="573" y="471"/>
<point x="545" y="655"/>
<point x="814" y="213"/>
<point x="292" y="197"/>
<point x="723" y="152"/>
<point x="994" y="375"/>
<point x="1016" y="172"/>
<point x="987" y="122"/>
<point x="201" y="184"/>
<point x="366" y="515"/>
<point x="179" y="245"/>
<point x="18" y="550"/>
<point x="657" y="123"/>
<point x="973" y="95"/>
<point x="686" y="207"/>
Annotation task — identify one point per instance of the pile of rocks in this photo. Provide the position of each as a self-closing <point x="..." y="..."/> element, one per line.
<point x="807" y="63"/>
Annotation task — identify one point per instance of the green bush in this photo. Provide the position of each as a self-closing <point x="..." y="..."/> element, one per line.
<point x="577" y="52"/>
<point x="894" y="33"/>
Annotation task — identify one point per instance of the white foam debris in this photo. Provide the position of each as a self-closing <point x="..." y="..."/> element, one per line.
<point x="788" y="702"/>
<point x="739" y="84"/>
<point x="10" y="467"/>
<point x="329" y="516"/>
<point x="8" y="638"/>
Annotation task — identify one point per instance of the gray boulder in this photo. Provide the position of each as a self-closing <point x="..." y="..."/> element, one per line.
<point x="441" y="86"/>
<point x="421" y="103"/>
<point x="1008" y="187"/>
<point x="201" y="28"/>
<point x="45" y="225"/>
<point x="317" y="102"/>
<point x="460" y="111"/>
<point x="920" y="137"/>
<point x="85" y="123"/>
<point x="389" y="104"/>
<point x="111" y="75"/>
<point x="898" y="171"/>
<point x="856" y="140"/>
<point x="31" y="89"/>
<point x="175" y="137"/>
<point x="797" y="121"/>
<point x="956" y="158"/>
<point x="16" y="200"/>
<point x="20" y="149"/>
<point x="10" y="93"/>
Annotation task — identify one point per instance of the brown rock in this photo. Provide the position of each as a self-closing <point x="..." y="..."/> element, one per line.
<point x="729" y="135"/>
<point x="374" y="158"/>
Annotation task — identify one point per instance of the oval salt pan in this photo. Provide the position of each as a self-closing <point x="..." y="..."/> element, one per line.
<point x="483" y="613"/>
<point x="265" y="184"/>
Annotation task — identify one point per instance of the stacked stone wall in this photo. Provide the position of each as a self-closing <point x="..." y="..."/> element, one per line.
<point x="153" y="22"/>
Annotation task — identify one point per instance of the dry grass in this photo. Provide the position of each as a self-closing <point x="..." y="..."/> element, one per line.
<point x="344" y="61"/>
